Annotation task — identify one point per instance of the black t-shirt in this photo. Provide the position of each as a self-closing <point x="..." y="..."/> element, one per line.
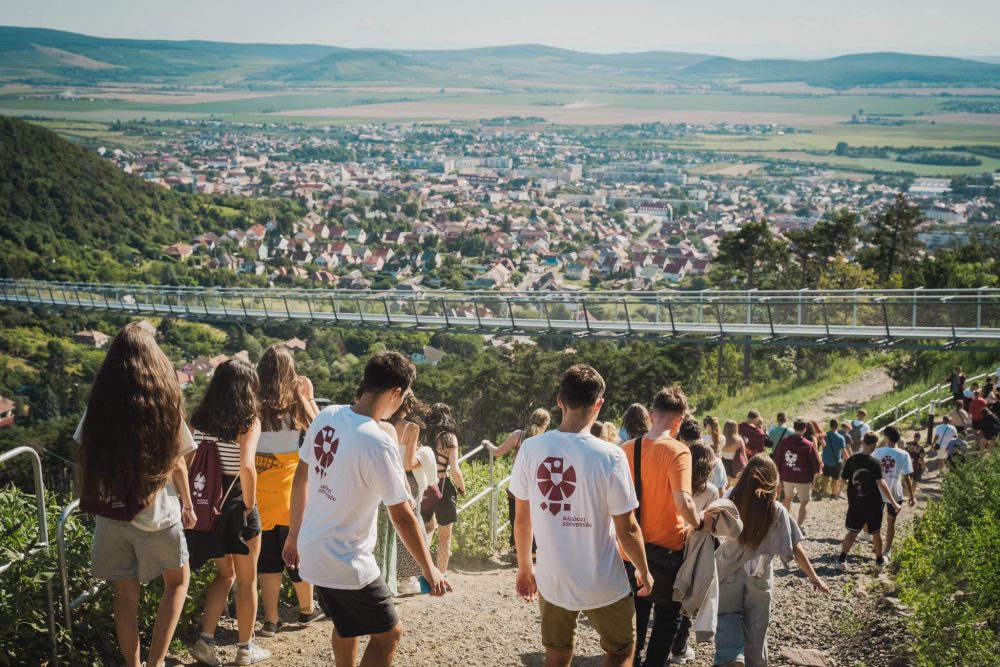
<point x="862" y="473"/>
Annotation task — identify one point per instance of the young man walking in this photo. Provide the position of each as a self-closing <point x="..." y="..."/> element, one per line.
<point x="834" y="456"/>
<point x="349" y="464"/>
<point x="798" y="465"/>
<point x="865" y="488"/>
<point x="666" y="503"/>
<point x="897" y="471"/>
<point x="779" y="431"/>
<point x="859" y="429"/>
<point x="573" y="492"/>
<point x="752" y="432"/>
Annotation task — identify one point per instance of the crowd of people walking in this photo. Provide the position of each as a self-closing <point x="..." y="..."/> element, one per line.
<point x="663" y="532"/>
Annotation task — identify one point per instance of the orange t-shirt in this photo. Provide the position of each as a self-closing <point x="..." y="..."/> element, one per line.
<point x="666" y="468"/>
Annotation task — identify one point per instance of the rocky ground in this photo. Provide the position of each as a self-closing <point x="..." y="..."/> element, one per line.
<point x="483" y="623"/>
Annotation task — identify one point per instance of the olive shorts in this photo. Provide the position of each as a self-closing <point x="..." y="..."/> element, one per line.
<point x="614" y="623"/>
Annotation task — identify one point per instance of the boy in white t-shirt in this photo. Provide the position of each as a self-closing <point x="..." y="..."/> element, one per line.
<point x="349" y="463"/>
<point x="574" y="493"/>
<point x="897" y="471"/>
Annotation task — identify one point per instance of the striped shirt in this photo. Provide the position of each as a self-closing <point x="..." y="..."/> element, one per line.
<point x="229" y="452"/>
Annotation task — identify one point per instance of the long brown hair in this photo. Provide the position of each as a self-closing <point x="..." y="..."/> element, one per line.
<point x="278" y="392"/>
<point x="702" y="463"/>
<point x="440" y="422"/>
<point x="754" y="496"/>
<point x="130" y="444"/>
<point x="731" y="430"/>
<point x="537" y="423"/>
<point x="711" y="424"/>
<point x="229" y="407"/>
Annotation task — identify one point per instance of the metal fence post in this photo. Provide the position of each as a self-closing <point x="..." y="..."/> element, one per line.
<point x="493" y="504"/>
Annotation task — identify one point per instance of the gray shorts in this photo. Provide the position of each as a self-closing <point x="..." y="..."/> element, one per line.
<point x="122" y="551"/>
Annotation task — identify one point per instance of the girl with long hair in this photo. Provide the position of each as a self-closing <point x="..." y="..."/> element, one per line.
<point x="132" y="471"/>
<point x="228" y="416"/>
<point x="746" y="577"/>
<point x="418" y="464"/>
<point x="287" y="407"/>
<point x="537" y="424"/>
<point x="441" y="436"/>
<point x="712" y="434"/>
<point x="734" y="451"/>
<point x="635" y="422"/>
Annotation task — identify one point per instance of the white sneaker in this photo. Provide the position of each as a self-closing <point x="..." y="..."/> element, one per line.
<point x="409" y="586"/>
<point x="251" y="654"/>
<point x="887" y="555"/>
<point x="680" y="659"/>
<point x="865" y="536"/>
<point x="204" y="653"/>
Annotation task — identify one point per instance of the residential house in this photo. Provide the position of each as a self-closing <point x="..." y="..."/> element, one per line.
<point x="6" y="412"/>
<point x="428" y="355"/>
<point x="91" y="338"/>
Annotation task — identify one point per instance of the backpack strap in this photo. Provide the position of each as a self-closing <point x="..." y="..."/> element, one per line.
<point x="637" y="460"/>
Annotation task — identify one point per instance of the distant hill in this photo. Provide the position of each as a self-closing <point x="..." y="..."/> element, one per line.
<point x="66" y="213"/>
<point x="867" y="69"/>
<point x="54" y="57"/>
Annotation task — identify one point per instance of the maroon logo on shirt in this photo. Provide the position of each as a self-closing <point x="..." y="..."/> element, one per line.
<point x="556" y="484"/>
<point x="325" y="446"/>
<point x="888" y="464"/>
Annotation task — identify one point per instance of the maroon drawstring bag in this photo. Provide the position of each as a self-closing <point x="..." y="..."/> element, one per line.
<point x="205" y="482"/>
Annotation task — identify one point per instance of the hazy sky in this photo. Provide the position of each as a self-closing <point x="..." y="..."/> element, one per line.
<point x="739" y="28"/>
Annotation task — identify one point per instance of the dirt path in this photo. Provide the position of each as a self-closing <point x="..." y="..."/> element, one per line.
<point x="847" y="398"/>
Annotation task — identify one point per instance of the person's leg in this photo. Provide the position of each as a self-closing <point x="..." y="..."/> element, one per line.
<point x="666" y="620"/>
<point x="558" y="633"/>
<point x="558" y="657"/>
<point x="615" y="625"/>
<point x="679" y="646"/>
<point x="729" y="634"/>
<point x="890" y="529"/>
<point x="270" y="591"/>
<point x="803" y="505"/>
<point x="216" y="594"/>
<point x="382" y="648"/>
<point x="789" y="492"/>
<point x="444" y="547"/>
<point x="827" y="483"/>
<point x="511" y="505"/>
<point x="757" y="617"/>
<point x="246" y="589"/>
<point x="175" y="586"/>
<point x="345" y="649"/>
<point x="127" y="619"/>
<point x="877" y="543"/>
<point x="849" y="539"/>
<point x="304" y="594"/>
<point x="835" y="486"/>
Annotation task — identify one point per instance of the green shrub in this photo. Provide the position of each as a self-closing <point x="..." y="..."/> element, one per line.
<point x="948" y="569"/>
<point x="472" y="532"/>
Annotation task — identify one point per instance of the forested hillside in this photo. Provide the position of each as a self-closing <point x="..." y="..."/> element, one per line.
<point x="67" y="214"/>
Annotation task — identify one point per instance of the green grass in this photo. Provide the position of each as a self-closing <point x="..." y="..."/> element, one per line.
<point x="794" y="393"/>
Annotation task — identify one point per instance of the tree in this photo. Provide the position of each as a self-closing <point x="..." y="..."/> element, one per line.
<point x="750" y="258"/>
<point x="892" y="238"/>
<point x="841" y="148"/>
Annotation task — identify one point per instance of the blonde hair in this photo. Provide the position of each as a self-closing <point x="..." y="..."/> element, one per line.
<point x="712" y="425"/>
<point x="538" y="422"/>
<point x="730" y="430"/>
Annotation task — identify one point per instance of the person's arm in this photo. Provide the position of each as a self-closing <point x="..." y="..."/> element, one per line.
<point x="524" y="583"/>
<point x="248" y="464"/>
<point x="886" y="493"/>
<point x="456" y="471"/>
<point x="687" y="509"/>
<point x="910" y="489"/>
<point x="410" y="532"/>
<point x="290" y="552"/>
<point x="803" y="562"/>
<point x="505" y="446"/>
<point x="180" y="480"/>
<point x="411" y="438"/>
<point x="630" y="537"/>
<point x="307" y="396"/>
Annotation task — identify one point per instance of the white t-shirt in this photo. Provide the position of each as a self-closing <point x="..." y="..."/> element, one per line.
<point x="164" y="510"/>
<point x="718" y="477"/>
<point x="706" y="497"/>
<point x="862" y="427"/>
<point x="575" y="483"/>
<point x="895" y="463"/>
<point x="943" y="434"/>
<point x="353" y="466"/>
<point x="284" y="441"/>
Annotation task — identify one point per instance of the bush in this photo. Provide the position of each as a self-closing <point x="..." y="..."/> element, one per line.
<point x="471" y="535"/>
<point x="948" y="569"/>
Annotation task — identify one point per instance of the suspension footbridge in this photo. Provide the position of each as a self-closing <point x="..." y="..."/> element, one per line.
<point x="903" y="319"/>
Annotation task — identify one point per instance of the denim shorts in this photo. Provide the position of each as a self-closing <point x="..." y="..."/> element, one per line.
<point x="122" y="551"/>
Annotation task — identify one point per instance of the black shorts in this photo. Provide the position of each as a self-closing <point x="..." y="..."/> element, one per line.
<point x="860" y="516"/>
<point x="270" y="561"/>
<point x="891" y="511"/>
<point x="233" y="529"/>
<point x="365" y="611"/>
<point x="833" y="471"/>
<point x="446" y="511"/>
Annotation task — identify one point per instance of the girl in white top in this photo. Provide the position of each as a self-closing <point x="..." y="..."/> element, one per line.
<point x="287" y="406"/>
<point x="132" y="439"/>
<point x="734" y="453"/>
<point x="406" y="422"/>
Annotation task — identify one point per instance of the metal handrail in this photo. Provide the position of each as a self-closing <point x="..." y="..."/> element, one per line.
<point x="42" y="543"/>
<point x="70" y="605"/>
<point x="935" y="402"/>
